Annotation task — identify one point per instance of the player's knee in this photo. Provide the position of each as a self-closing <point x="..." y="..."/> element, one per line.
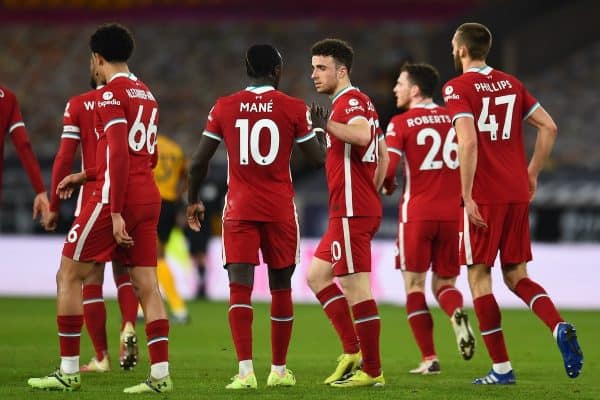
<point x="281" y="278"/>
<point x="242" y="274"/>
<point x="315" y="280"/>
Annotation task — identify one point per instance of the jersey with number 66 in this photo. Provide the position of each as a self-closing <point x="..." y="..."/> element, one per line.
<point x="259" y="126"/>
<point x="424" y="137"/>
<point x="126" y="125"/>
<point x="351" y="168"/>
<point x="498" y="103"/>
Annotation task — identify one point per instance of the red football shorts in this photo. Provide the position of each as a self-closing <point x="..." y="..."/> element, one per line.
<point x="347" y="244"/>
<point x="507" y="232"/>
<point x="278" y="241"/>
<point x="91" y="236"/>
<point x="428" y="243"/>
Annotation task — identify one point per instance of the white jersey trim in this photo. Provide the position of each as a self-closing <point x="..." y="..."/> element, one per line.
<point x="348" y="179"/>
<point x="401" y="252"/>
<point x="70" y="136"/>
<point x="15" y="126"/>
<point x="467" y="238"/>
<point x="106" y="185"/>
<point x="114" y="122"/>
<point x="260" y="89"/>
<point x="462" y="115"/>
<point x="347" y="245"/>
<point x="212" y="135"/>
<point x="297" y="234"/>
<point x="341" y="92"/>
<point x="394" y="150"/>
<point x="532" y="109"/>
<point x="71" y="129"/>
<point x="86" y="231"/>
<point x="306" y="137"/>
<point x="406" y="195"/>
<point x="80" y="195"/>
<point x="351" y="120"/>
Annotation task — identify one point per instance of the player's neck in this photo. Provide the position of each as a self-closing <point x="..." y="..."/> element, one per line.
<point x="420" y="101"/>
<point x="468" y="64"/>
<point x="114" y="69"/>
<point x="261" y="82"/>
<point x="341" y="86"/>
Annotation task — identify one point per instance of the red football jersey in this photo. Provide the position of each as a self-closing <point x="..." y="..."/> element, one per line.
<point x="259" y="126"/>
<point x="351" y="168"/>
<point x="11" y="123"/>
<point x="126" y="120"/>
<point x="498" y="103"/>
<point x="425" y="138"/>
<point x="78" y="128"/>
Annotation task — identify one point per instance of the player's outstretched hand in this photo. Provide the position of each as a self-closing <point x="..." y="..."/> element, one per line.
<point x="50" y="222"/>
<point x="195" y="215"/>
<point x="121" y="236"/>
<point x="389" y="185"/>
<point x="41" y="206"/>
<point x="67" y="186"/>
<point x="319" y="116"/>
<point x="473" y="213"/>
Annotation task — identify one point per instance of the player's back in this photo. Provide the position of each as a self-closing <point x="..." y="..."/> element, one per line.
<point x="425" y="136"/>
<point x="126" y="99"/>
<point x="259" y="126"/>
<point x="499" y="103"/>
<point x="169" y="169"/>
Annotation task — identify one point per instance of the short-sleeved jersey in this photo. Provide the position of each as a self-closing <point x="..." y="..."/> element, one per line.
<point x="78" y="124"/>
<point x="126" y="100"/>
<point x="498" y="103"/>
<point x="425" y="138"/>
<point x="170" y="168"/>
<point x="259" y="126"/>
<point x="351" y="168"/>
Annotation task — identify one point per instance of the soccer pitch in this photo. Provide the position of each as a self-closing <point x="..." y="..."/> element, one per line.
<point x="202" y="358"/>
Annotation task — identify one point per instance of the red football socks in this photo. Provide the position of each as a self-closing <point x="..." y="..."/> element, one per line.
<point x="488" y="314"/>
<point x="94" y="314"/>
<point x="336" y="307"/>
<point x="449" y="298"/>
<point x="157" y="333"/>
<point x="282" y="318"/>
<point x="421" y="323"/>
<point x="128" y="302"/>
<point x="538" y="301"/>
<point x="368" y="327"/>
<point x="240" y="319"/>
<point x="69" y="334"/>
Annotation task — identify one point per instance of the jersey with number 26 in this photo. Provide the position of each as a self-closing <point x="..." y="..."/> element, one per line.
<point x="498" y="103"/>
<point x="259" y="126"/>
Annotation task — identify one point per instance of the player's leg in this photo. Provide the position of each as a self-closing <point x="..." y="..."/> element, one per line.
<point x="94" y="316"/>
<point x="198" y="242"/>
<point x="515" y="251"/>
<point x="128" y="304"/>
<point x="320" y="280"/>
<point x="355" y="278"/>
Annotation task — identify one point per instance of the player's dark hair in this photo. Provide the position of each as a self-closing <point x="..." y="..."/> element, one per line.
<point x="261" y="60"/>
<point x="425" y="76"/>
<point x="476" y="37"/>
<point x="112" y="41"/>
<point x="340" y="50"/>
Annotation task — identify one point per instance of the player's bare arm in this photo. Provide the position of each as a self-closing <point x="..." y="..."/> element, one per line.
<point x="69" y="183"/>
<point x="546" y="134"/>
<point x="383" y="160"/>
<point x="198" y="170"/>
<point x="357" y="132"/>
<point x="119" y="232"/>
<point x="467" y="156"/>
<point x="41" y="207"/>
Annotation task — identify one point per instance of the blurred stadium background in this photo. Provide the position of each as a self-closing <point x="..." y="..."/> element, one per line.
<point x="191" y="52"/>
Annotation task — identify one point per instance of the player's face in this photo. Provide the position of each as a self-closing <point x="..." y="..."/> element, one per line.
<point x="402" y="90"/>
<point x="96" y="71"/>
<point x="324" y="74"/>
<point x="456" y="55"/>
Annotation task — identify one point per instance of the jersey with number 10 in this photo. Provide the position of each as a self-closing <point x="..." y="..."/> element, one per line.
<point x="126" y="101"/>
<point x="351" y="168"/>
<point x="498" y="103"/>
<point x="259" y="126"/>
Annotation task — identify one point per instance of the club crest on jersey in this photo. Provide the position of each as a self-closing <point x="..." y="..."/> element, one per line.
<point x="107" y="95"/>
<point x="1" y="93"/>
<point x="353" y="102"/>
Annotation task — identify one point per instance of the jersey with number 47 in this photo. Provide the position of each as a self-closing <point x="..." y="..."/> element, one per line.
<point x="259" y="126"/>
<point x="126" y="125"/>
<point x="351" y="168"/>
<point x="498" y="103"/>
<point x="424" y="137"/>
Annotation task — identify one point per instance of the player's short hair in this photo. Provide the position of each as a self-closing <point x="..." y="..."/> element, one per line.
<point x="425" y="76"/>
<point x="261" y="60"/>
<point x="476" y="37"/>
<point x="341" y="51"/>
<point x="112" y="41"/>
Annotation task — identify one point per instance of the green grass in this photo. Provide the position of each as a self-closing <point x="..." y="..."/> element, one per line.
<point x="202" y="358"/>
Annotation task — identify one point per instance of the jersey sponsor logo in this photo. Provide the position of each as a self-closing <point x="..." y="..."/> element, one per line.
<point x="107" y="95"/>
<point x="354" y="108"/>
<point x="89" y="105"/>
<point x="111" y="102"/>
<point x="449" y="89"/>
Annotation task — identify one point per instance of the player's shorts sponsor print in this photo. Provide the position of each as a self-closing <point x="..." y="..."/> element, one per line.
<point x="347" y="244"/>
<point x="278" y="241"/>
<point x="91" y="235"/>
<point x="507" y="232"/>
<point x="425" y="244"/>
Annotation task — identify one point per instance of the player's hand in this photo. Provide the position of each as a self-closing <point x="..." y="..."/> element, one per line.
<point x="41" y="206"/>
<point x="67" y="186"/>
<point x="473" y="214"/>
<point x="120" y="234"/>
<point x="50" y="222"/>
<point x="390" y="184"/>
<point x="319" y="116"/>
<point x="532" y="185"/>
<point x="195" y="215"/>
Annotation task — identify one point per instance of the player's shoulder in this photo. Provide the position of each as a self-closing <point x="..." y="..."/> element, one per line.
<point x="351" y="99"/>
<point x="6" y="93"/>
<point x="501" y="75"/>
<point x="295" y="103"/>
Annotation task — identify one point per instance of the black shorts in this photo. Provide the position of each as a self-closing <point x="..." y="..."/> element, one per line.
<point x="167" y="220"/>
